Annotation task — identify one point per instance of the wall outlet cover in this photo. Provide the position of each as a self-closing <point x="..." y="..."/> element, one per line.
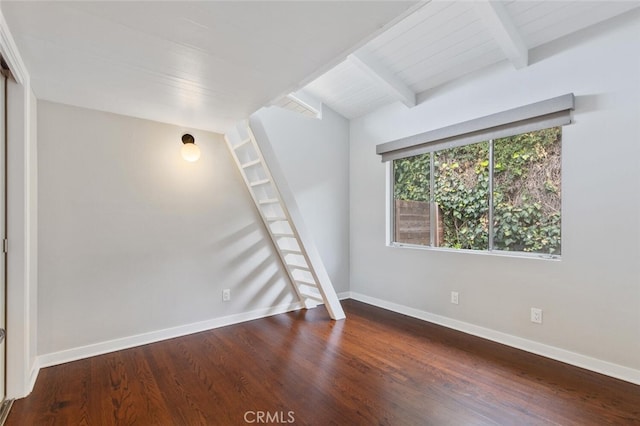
<point x="536" y="315"/>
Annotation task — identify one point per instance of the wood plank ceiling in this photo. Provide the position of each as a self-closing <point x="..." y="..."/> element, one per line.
<point x="445" y="40"/>
<point x="210" y="64"/>
<point x="196" y="64"/>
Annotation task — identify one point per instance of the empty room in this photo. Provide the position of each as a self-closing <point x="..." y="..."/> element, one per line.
<point x="320" y="212"/>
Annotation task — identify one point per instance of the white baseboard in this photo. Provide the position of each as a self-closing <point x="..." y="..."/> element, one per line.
<point x="56" y="358"/>
<point x="35" y="370"/>
<point x="593" y="364"/>
<point x="74" y="354"/>
<point x="344" y="295"/>
<point x="582" y="361"/>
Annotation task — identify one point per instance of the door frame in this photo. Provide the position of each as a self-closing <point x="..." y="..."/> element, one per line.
<point x="22" y="367"/>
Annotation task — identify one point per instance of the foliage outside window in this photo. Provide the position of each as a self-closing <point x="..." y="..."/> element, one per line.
<point x="502" y="194"/>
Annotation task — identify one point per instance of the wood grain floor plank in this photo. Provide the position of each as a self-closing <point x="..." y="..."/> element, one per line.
<point x="376" y="367"/>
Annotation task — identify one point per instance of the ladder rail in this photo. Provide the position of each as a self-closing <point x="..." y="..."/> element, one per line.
<point x="273" y="238"/>
<point x="303" y="249"/>
<point x="287" y="217"/>
<point x="312" y="256"/>
<point x="309" y="301"/>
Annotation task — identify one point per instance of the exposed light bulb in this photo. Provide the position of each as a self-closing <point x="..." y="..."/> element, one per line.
<point x="190" y="152"/>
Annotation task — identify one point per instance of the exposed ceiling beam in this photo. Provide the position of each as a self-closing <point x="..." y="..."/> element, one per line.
<point x="302" y="103"/>
<point x="384" y="77"/>
<point x="497" y="20"/>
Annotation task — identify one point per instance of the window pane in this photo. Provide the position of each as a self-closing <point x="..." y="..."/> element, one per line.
<point x="411" y="197"/>
<point x="527" y="192"/>
<point x="462" y="196"/>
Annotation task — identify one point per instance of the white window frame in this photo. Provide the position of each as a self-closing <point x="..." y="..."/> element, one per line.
<point x="390" y="225"/>
<point x="555" y="112"/>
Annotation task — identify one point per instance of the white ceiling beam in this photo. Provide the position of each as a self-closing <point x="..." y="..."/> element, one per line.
<point x="393" y="85"/>
<point x="499" y="23"/>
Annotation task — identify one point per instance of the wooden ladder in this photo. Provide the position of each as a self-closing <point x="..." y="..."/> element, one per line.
<point x="282" y="219"/>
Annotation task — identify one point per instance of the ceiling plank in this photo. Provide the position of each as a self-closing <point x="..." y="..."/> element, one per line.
<point x="384" y="77"/>
<point x="499" y="23"/>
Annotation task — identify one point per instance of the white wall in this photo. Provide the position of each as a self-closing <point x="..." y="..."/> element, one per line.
<point x="134" y="241"/>
<point x="591" y="298"/>
<point x="314" y="157"/>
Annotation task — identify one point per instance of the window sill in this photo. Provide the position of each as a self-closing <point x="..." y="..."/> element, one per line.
<point x="520" y="255"/>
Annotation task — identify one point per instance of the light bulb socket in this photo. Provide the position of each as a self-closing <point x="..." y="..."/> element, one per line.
<point x="187" y="138"/>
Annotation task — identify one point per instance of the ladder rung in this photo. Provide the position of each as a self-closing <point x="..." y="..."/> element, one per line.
<point x="260" y="182"/>
<point x="251" y="163"/>
<point x="312" y="296"/>
<point x="283" y="234"/>
<point x="292" y="251"/>
<point x="309" y="303"/>
<point x="269" y="201"/>
<point x="244" y="142"/>
<point x="299" y="267"/>
<point x="305" y="282"/>
<point x="277" y="219"/>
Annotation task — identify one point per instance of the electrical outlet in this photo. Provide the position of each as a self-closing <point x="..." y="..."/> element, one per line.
<point x="536" y="315"/>
<point x="226" y="295"/>
<point x="454" y="297"/>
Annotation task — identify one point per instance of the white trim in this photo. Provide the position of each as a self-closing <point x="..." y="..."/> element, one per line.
<point x="23" y="284"/>
<point x="311" y="101"/>
<point x="10" y="53"/>
<point x="315" y="112"/>
<point x="87" y="351"/>
<point x="389" y="226"/>
<point x="29" y="282"/>
<point x="35" y="370"/>
<point x="31" y="234"/>
<point x="558" y="354"/>
<point x="503" y="253"/>
<point x="344" y="295"/>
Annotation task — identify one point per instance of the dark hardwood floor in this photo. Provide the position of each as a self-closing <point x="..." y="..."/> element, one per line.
<point x="376" y="367"/>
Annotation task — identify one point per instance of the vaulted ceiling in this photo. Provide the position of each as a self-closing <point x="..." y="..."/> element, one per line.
<point x="445" y="40"/>
<point x="210" y="64"/>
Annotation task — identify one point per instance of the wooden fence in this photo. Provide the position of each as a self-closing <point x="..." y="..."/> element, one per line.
<point x="413" y="223"/>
